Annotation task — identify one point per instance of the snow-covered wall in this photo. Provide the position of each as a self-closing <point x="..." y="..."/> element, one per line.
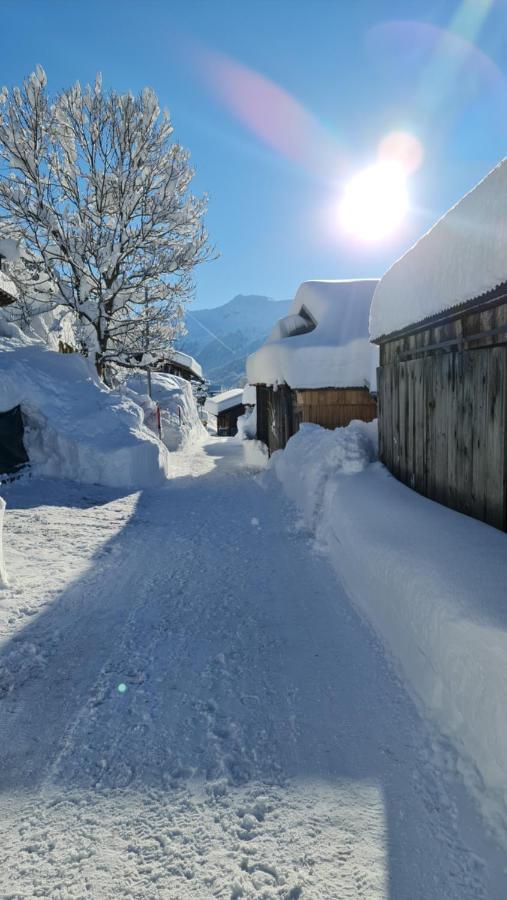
<point x="334" y="351"/>
<point x="3" y="573"/>
<point x="461" y="257"/>
<point x="74" y="426"/>
<point x="432" y="583"/>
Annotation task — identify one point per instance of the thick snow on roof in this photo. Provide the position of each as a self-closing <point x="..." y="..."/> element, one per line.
<point x="220" y="402"/>
<point x="7" y="285"/>
<point x="184" y="359"/>
<point x="461" y="257"/>
<point x="9" y="249"/>
<point x="323" y="342"/>
<point x="74" y="426"/>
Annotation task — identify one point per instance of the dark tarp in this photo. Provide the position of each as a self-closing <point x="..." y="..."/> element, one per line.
<point x="12" y="450"/>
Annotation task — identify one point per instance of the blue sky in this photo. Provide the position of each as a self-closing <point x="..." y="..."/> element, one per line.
<point x="347" y="75"/>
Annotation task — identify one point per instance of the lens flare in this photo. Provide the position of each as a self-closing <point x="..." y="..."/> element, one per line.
<point x="374" y="202"/>
<point x="269" y="111"/>
<point x="402" y="148"/>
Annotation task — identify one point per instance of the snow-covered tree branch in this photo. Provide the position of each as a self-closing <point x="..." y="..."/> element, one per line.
<point x="98" y="192"/>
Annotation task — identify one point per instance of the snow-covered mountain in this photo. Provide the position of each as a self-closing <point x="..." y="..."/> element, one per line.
<point x="221" y="338"/>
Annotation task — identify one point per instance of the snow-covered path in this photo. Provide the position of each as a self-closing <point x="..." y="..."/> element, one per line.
<point x="190" y="708"/>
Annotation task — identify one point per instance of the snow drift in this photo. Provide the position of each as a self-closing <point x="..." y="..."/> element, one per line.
<point x="431" y="582"/>
<point x="74" y="426"/>
<point x="180" y="422"/>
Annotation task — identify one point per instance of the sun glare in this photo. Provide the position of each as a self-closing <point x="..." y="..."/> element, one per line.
<point x="374" y="201"/>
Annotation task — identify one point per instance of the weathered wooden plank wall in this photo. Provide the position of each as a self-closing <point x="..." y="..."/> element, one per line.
<point x="281" y="423"/>
<point x="280" y="412"/>
<point x="443" y="428"/>
<point x="334" y="407"/>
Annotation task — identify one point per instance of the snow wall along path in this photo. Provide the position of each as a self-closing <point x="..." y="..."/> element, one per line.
<point x="431" y="581"/>
<point x="3" y="574"/>
<point x="74" y="426"/>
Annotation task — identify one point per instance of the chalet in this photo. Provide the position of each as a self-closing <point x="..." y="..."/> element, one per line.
<point x="317" y="364"/>
<point x="226" y="407"/>
<point x="184" y="365"/>
<point x="439" y="316"/>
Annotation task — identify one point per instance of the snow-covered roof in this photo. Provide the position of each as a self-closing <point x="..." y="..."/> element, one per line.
<point x="323" y="341"/>
<point x="220" y="402"/>
<point x="463" y="256"/>
<point x="8" y="286"/>
<point x="187" y="361"/>
<point x="9" y="249"/>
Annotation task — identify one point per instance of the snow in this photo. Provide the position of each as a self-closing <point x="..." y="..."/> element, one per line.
<point x="333" y="352"/>
<point x="226" y="400"/>
<point x="429" y="580"/>
<point x="7" y="285"/>
<point x="247" y="424"/>
<point x="190" y="708"/>
<point x="180" y="423"/>
<point x="51" y="326"/>
<point x="3" y="573"/>
<point x="9" y="249"/>
<point x="184" y="359"/>
<point x="74" y="426"/>
<point x="460" y="258"/>
<point x="249" y="395"/>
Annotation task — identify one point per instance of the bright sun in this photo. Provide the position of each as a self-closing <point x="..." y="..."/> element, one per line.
<point x="375" y="201"/>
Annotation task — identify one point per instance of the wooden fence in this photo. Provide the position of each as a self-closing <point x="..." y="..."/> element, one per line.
<point x="443" y="428"/>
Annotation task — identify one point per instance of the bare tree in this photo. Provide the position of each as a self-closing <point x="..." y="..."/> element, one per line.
<point x="97" y="191"/>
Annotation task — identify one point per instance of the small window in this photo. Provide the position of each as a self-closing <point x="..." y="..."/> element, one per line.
<point x="298" y="323"/>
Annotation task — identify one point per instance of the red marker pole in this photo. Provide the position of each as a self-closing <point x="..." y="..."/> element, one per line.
<point x="159" y="423"/>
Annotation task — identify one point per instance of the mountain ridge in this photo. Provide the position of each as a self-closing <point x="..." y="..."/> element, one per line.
<point x="222" y="337"/>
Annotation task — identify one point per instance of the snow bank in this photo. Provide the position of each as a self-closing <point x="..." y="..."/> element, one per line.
<point x="3" y="574"/>
<point x="323" y="342"/>
<point x="180" y="420"/>
<point x="461" y="257"/>
<point x="74" y="426"/>
<point x="429" y="580"/>
<point x="226" y="400"/>
<point x="247" y="424"/>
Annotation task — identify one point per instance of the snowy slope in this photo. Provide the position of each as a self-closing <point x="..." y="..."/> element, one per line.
<point x="463" y="256"/>
<point x="74" y="426"/>
<point x="221" y="338"/>
<point x="323" y="341"/>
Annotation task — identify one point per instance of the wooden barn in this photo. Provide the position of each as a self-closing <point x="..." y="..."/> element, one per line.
<point x="226" y="408"/>
<point x="439" y="316"/>
<point x="318" y="364"/>
<point x="182" y="364"/>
